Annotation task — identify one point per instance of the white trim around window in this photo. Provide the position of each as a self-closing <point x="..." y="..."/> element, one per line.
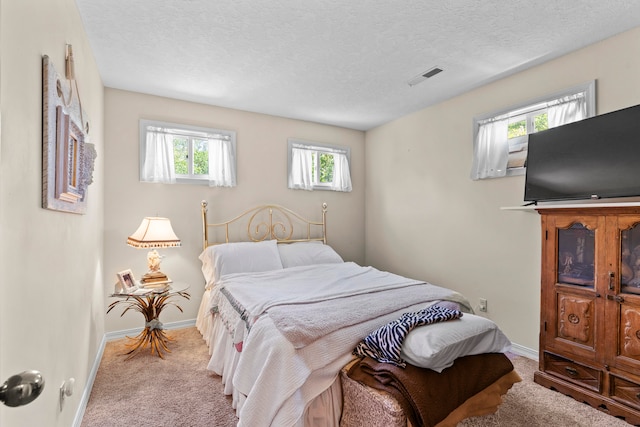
<point x="496" y="155"/>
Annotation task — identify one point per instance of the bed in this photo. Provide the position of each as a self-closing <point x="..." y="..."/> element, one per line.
<point x="299" y="336"/>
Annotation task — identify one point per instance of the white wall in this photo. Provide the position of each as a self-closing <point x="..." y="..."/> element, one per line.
<point x="51" y="293"/>
<point x="426" y="218"/>
<point x="262" y="178"/>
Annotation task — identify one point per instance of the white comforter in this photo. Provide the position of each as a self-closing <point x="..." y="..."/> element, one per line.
<point x="280" y="371"/>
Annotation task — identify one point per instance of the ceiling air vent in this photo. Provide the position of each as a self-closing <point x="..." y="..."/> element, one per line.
<point x="424" y="76"/>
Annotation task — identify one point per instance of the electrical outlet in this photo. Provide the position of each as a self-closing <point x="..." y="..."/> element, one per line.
<point x="483" y="305"/>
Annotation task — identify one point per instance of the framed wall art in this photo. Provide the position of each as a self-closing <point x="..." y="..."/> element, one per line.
<point x="67" y="156"/>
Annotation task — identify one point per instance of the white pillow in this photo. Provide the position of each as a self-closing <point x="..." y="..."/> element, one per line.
<point x="307" y="253"/>
<point x="436" y="346"/>
<point x="239" y="257"/>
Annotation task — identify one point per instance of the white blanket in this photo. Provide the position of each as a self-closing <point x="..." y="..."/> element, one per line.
<point x="279" y="379"/>
<point x="257" y="292"/>
<point x="304" y="323"/>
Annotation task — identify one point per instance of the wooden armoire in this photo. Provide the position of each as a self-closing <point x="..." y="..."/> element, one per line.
<point x="590" y="307"/>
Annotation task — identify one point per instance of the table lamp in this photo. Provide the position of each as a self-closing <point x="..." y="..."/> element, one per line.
<point x="154" y="232"/>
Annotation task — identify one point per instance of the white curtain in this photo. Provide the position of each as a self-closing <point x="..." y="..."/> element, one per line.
<point x="491" y="150"/>
<point x="341" y="174"/>
<point x="158" y="162"/>
<point x="302" y="163"/>
<point x="301" y="169"/>
<point x="569" y="109"/>
<point x="222" y="164"/>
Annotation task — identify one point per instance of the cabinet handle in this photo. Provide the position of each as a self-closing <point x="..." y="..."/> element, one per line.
<point x="616" y="298"/>
<point x="571" y="371"/>
<point x="611" y="277"/>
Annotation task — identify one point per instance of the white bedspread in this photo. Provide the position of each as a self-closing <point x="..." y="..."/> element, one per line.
<point x="257" y="292"/>
<point x="279" y="378"/>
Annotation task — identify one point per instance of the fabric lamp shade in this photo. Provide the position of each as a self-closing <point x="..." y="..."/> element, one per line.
<point x="154" y="232"/>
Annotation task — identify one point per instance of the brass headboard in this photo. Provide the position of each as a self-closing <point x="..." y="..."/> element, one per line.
<point x="268" y="222"/>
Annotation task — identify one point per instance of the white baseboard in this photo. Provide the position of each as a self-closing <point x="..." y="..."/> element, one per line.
<point x="87" y="389"/>
<point x="115" y="335"/>
<point x="524" y="351"/>
<point x="110" y="336"/>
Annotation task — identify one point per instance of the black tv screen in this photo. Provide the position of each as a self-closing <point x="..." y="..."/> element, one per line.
<point x="594" y="158"/>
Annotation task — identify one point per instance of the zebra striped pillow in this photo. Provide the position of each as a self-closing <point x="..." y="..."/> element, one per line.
<point x="385" y="343"/>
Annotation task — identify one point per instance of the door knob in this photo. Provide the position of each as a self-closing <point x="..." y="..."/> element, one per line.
<point x="22" y="388"/>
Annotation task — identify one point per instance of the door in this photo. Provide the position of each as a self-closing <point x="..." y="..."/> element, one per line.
<point x="623" y="295"/>
<point x="572" y="276"/>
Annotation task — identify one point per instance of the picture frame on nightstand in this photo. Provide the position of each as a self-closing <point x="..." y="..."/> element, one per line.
<point x="127" y="281"/>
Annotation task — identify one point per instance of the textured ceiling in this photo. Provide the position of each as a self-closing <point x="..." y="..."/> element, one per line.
<point x="339" y="62"/>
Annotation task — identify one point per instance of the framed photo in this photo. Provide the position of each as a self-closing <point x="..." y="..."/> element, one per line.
<point x="127" y="281"/>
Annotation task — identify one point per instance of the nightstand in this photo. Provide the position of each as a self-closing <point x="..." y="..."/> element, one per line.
<point x="150" y="303"/>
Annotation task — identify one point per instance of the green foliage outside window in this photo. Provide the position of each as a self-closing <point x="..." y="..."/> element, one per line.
<point x="201" y="157"/>
<point x="326" y="167"/>
<point x="519" y="128"/>
<point x="541" y="122"/>
<point x="181" y="156"/>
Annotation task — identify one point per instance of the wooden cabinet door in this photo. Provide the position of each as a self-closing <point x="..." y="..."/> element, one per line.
<point x="623" y="294"/>
<point x="573" y="276"/>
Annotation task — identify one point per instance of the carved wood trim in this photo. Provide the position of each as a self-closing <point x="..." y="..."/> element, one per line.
<point x="67" y="156"/>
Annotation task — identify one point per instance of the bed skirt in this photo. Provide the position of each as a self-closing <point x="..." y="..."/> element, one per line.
<point x="323" y="411"/>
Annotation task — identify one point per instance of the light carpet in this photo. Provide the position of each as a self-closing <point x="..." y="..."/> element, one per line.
<point x="178" y="391"/>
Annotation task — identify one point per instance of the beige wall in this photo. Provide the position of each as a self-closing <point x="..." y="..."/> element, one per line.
<point x="51" y="293"/>
<point x="262" y="178"/>
<point x="426" y="218"/>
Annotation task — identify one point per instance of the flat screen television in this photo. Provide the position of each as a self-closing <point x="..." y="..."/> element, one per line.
<point x="598" y="157"/>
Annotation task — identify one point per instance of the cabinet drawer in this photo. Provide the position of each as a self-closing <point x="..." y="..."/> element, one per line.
<point x="625" y="391"/>
<point x="575" y="372"/>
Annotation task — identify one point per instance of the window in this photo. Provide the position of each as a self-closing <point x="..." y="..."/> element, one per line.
<point x="501" y="138"/>
<point x="314" y="166"/>
<point x="173" y="153"/>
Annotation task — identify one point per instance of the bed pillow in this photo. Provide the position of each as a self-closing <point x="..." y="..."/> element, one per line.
<point x="239" y="257"/>
<point x="307" y="253"/>
<point x="436" y="346"/>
